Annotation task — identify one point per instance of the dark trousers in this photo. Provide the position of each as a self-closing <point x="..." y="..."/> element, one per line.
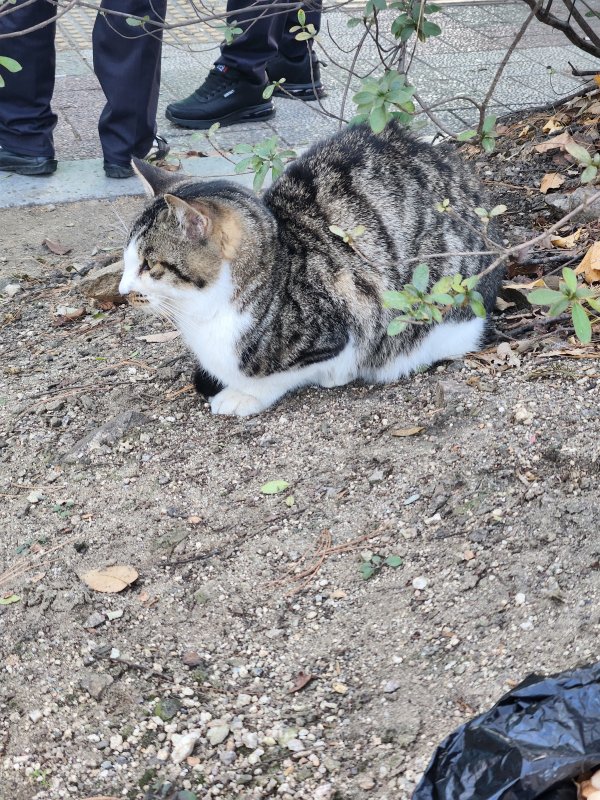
<point x="126" y="62"/>
<point x="265" y="34"/>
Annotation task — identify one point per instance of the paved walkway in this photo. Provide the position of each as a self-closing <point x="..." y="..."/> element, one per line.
<point x="462" y="61"/>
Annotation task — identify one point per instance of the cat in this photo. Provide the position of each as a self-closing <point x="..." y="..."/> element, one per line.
<point x="269" y="299"/>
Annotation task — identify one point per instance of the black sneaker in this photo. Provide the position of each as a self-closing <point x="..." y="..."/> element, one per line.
<point x="159" y="150"/>
<point x="26" y="165"/>
<point x="225" y="97"/>
<point x="299" y="80"/>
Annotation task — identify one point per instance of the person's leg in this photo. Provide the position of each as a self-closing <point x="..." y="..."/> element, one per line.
<point x="233" y="90"/>
<point x="127" y="63"/>
<point x="26" y="119"/>
<point x="289" y="46"/>
<point x="250" y="51"/>
<point x="295" y="60"/>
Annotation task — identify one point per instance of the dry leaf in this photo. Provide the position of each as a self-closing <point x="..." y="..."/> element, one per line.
<point x="407" y="431"/>
<point x="552" y="125"/>
<point x="593" y="109"/>
<point x="561" y="140"/>
<point x="524" y="131"/>
<point x="301" y="680"/>
<point x="523" y="286"/>
<point x="338" y="594"/>
<point x="154" y="338"/>
<point x="551" y="180"/>
<point x="566" y="242"/>
<point x="340" y="688"/>
<point x="597" y="79"/>
<point x="101" y="797"/>
<point x="110" y="579"/>
<point x="194" y="520"/>
<point x="57" y="248"/>
<point x="590" y="264"/>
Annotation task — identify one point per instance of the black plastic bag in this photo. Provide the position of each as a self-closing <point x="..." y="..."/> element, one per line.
<point x="531" y="744"/>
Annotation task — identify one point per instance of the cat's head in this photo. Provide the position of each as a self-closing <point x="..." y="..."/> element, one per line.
<point x="183" y="240"/>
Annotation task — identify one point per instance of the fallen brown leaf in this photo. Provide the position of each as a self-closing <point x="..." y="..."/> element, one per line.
<point x="566" y="242"/>
<point x="57" y="248"/>
<point x="597" y="79"/>
<point x="301" y="680"/>
<point x="407" y="431"/>
<point x="168" y="336"/>
<point x="551" y="180"/>
<point x="552" y="125"/>
<point x="110" y="579"/>
<point x="590" y="264"/>
<point x="561" y="140"/>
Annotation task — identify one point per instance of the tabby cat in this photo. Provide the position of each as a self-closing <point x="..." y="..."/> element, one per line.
<point x="269" y="299"/>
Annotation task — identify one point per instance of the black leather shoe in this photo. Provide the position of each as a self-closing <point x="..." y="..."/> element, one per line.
<point x="300" y="81"/>
<point x="26" y="165"/>
<point x="225" y="97"/>
<point x="160" y="149"/>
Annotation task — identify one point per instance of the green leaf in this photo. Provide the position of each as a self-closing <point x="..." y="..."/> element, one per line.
<point x="420" y="278"/>
<point x="594" y="302"/>
<point x="10" y="64"/>
<point x="478" y="308"/>
<point x="481" y="212"/>
<point x="378" y="119"/>
<point x="588" y="174"/>
<point x="579" y="153"/>
<point x="544" y="297"/>
<point x="303" y="36"/>
<point x="466" y="135"/>
<point x="396" y="326"/>
<point x="488" y="144"/>
<point x="376" y="560"/>
<point x="2" y="82"/>
<point x="301" y="16"/>
<point x="11" y="598"/>
<point x="393" y="561"/>
<point x="268" y="92"/>
<point x="244" y="165"/>
<point x="366" y="571"/>
<point x="393" y="299"/>
<point x="581" y="323"/>
<point x="260" y="176"/>
<point x="337" y="231"/>
<point x="443" y="285"/>
<point x="440" y="299"/>
<point x="353" y="22"/>
<point x="558" y="307"/>
<point x="380" y="5"/>
<point x="135" y="21"/>
<point x="430" y="28"/>
<point x="470" y="283"/>
<point x="364" y="98"/>
<point x="242" y="148"/>
<point x="570" y="279"/>
<point x="290" y="500"/>
<point x="274" y="487"/>
<point x="497" y="210"/>
<point x="488" y="124"/>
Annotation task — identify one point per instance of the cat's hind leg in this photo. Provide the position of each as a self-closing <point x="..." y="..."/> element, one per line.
<point x="446" y="341"/>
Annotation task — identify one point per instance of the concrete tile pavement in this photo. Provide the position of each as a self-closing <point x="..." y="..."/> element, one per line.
<point x="463" y="60"/>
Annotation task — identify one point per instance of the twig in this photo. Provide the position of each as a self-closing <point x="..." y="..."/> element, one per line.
<point x="519" y="35"/>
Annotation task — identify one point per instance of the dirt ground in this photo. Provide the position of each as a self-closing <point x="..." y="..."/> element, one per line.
<point x="481" y="476"/>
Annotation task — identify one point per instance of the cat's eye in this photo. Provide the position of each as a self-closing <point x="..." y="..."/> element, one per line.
<point x="145" y="266"/>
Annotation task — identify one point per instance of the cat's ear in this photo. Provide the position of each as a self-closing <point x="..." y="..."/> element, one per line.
<point x="193" y="220"/>
<point x="154" y="180"/>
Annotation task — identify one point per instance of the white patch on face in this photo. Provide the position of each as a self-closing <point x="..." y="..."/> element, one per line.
<point x="131" y="269"/>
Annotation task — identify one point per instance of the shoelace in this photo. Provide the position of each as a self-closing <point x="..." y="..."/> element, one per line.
<point x="214" y="84"/>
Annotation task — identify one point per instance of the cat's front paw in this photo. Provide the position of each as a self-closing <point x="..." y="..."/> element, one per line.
<point x="236" y="404"/>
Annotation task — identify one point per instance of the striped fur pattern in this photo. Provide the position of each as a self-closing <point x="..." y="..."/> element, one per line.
<point x="269" y="299"/>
